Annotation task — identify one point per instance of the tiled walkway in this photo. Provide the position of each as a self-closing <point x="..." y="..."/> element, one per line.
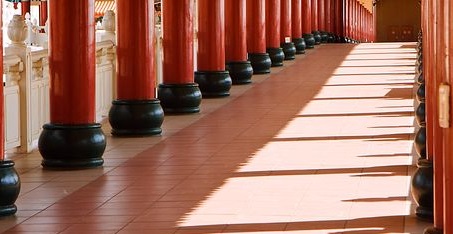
<point x="322" y="145"/>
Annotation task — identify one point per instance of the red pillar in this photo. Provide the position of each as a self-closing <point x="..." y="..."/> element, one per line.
<point x="448" y="137"/>
<point x="360" y="22"/>
<point x="9" y="179"/>
<point x="43" y="12"/>
<point x="448" y="134"/>
<point x="136" y="112"/>
<point x="314" y="15"/>
<point x="178" y="93"/>
<point x="439" y="146"/>
<point x="354" y="19"/>
<point x="273" y="31"/>
<point x="428" y="135"/>
<point x="72" y="138"/>
<point x="25" y="6"/>
<point x="321" y="15"/>
<point x="211" y="75"/>
<point x="236" y="42"/>
<point x="256" y="36"/>
<point x="347" y="19"/>
<point x="296" y="26"/>
<point x="286" y="41"/>
<point x="306" y="24"/>
<point x="315" y="21"/>
<point x="340" y="20"/>
<point x="328" y="14"/>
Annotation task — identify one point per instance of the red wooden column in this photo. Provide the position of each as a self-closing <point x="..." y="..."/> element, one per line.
<point x="136" y="111"/>
<point x="441" y="69"/>
<point x="213" y="78"/>
<point x="315" y="21"/>
<point x="240" y="69"/>
<point x="322" y="20"/>
<point x="256" y="37"/>
<point x="286" y="42"/>
<point x="360" y="21"/>
<point x="363" y="22"/>
<point x="428" y="142"/>
<point x="357" y="20"/>
<point x="347" y="20"/>
<point x="321" y="15"/>
<point x="306" y="24"/>
<point x="273" y="14"/>
<point x="178" y="93"/>
<point x="25" y="6"/>
<point x="354" y="20"/>
<point x="328" y="19"/>
<point x="9" y="179"/>
<point x="43" y="12"/>
<point x="448" y="135"/>
<point x="340" y="20"/>
<point x="72" y="139"/>
<point x="296" y="26"/>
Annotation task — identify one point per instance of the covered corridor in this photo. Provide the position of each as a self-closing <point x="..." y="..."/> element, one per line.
<point x="320" y="145"/>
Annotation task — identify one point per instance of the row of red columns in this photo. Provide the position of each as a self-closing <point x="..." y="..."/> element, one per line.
<point x="180" y="91"/>
<point x="73" y="139"/>
<point x="359" y="22"/>
<point x="437" y="47"/>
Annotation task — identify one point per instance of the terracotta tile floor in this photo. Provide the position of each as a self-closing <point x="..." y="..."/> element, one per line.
<point x="322" y="145"/>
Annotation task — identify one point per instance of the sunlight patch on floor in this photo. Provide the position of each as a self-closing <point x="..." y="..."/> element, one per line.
<point x="343" y="158"/>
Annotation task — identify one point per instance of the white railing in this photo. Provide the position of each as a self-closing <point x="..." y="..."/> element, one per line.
<point x="37" y="106"/>
<point x="105" y="78"/>
<point x="12" y="66"/>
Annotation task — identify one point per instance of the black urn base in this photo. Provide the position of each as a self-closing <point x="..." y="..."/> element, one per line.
<point x="317" y="36"/>
<point x="420" y="114"/>
<point x="433" y="230"/>
<point x="289" y="50"/>
<point x="9" y="188"/>
<point x="136" y="117"/>
<point x="300" y="45"/>
<point x="179" y="98"/>
<point x="214" y="83"/>
<point x="261" y="63"/>
<point x="277" y="56"/>
<point x="240" y="72"/>
<point x="421" y="93"/>
<point x="331" y="38"/>
<point x="324" y="37"/>
<point x="65" y="146"/>
<point x="422" y="189"/>
<point x="420" y="142"/>
<point x="309" y="40"/>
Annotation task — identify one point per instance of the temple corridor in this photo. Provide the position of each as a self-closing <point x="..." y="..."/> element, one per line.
<point x="323" y="144"/>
